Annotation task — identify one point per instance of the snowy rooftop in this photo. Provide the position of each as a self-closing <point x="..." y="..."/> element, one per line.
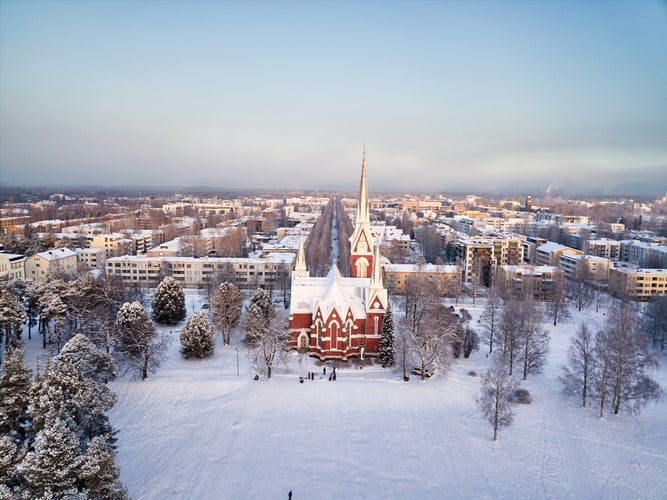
<point x="423" y="268"/>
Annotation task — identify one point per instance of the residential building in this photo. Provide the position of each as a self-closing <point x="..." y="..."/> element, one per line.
<point x="56" y="261"/>
<point x="446" y="278"/>
<point x="626" y="281"/>
<point x="12" y="265"/>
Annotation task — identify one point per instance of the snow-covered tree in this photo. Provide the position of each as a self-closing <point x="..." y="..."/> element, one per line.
<point x="577" y="374"/>
<point x="623" y="360"/>
<point x="12" y="315"/>
<point x="50" y="469"/>
<point x="93" y="363"/>
<point x="137" y="343"/>
<point x="15" y="378"/>
<point x="11" y="455"/>
<point x="226" y="304"/>
<point x="169" y="302"/>
<point x="269" y="343"/>
<point x="507" y="339"/>
<point x="99" y="476"/>
<point x="197" y="336"/>
<point x="387" y="350"/>
<point x="258" y="316"/>
<point x="496" y="398"/>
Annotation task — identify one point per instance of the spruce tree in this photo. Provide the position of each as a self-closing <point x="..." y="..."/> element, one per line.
<point x="168" y="302"/>
<point x="387" y="349"/>
<point x="50" y="470"/>
<point x="14" y="394"/>
<point x="99" y="475"/>
<point x="197" y="336"/>
<point x="258" y="316"/>
<point x="226" y="304"/>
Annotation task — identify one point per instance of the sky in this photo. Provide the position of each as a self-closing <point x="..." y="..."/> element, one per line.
<point x="446" y="96"/>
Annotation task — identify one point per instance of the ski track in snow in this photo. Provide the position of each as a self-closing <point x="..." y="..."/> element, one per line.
<point x="194" y="430"/>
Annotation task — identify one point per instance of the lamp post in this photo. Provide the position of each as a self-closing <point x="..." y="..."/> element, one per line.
<point x="237" y="362"/>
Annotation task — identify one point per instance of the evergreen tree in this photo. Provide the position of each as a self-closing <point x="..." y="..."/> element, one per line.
<point x="15" y="377"/>
<point x="137" y="342"/>
<point x="93" y="363"/>
<point x="12" y="314"/>
<point x="99" y="475"/>
<point x="226" y="304"/>
<point x="197" y="336"/>
<point x="169" y="302"/>
<point x="387" y="349"/>
<point x="50" y="469"/>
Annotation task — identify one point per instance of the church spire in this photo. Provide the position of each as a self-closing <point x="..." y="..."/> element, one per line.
<point x="300" y="264"/>
<point x="362" y="209"/>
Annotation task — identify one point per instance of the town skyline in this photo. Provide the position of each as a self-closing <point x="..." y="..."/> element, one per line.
<point x="450" y="97"/>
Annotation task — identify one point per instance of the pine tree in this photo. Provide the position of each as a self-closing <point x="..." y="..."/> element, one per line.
<point x="226" y="304"/>
<point x="197" y="336"/>
<point x="387" y="349"/>
<point x="93" y="363"/>
<point x="169" y="302"/>
<point x="99" y="476"/>
<point x="50" y="470"/>
<point x="15" y="377"/>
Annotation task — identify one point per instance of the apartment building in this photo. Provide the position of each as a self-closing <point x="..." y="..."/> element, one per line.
<point x="481" y="256"/>
<point x="114" y="244"/>
<point x="12" y="265"/>
<point x="550" y="253"/>
<point x="271" y="272"/>
<point x="586" y="267"/>
<point x="603" y="247"/>
<point x="626" y="281"/>
<point x="447" y="279"/>
<point x="91" y="258"/>
<point x="56" y="261"/>
<point x="538" y="280"/>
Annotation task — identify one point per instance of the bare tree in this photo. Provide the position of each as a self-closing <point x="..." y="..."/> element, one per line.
<point x="557" y="305"/>
<point x="533" y="339"/>
<point x="496" y="399"/>
<point x="655" y="321"/>
<point x="429" y="328"/>
<point x="491" y="317"/>
<point x="508" y="332"/>
<point x="137" y="343"/>
<point x="270" y="344"/>
<point x="577" y="374"/>
<point x="226" y="303"/>
<point x="623" y="360"/>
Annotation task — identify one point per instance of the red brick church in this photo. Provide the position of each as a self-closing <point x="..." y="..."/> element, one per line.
<point x="338" y="317"/>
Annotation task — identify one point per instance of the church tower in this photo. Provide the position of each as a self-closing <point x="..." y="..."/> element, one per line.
<point x="361" y="241"/>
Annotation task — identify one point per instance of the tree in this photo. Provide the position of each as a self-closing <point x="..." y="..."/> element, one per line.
<point x="387" y="351"/>
<point x="268" y="342"/>
<point x="257" y="317"/>
<point x="168" y="302"/>
<point x="50" y="470"/>
<point x="655" y="321"/>
<point x="226" y="305"/>
<point x="557" y="306"/>
<point x="99" y="475"/>
<point x="470" y="341"/>
<point x="532" y="338"/>
<point x="491" y="317"/>
<point x="15" y="377"/>
<point x="197" y="336"/>
<point x="137" y="343"/>
<point x="508" y="332"/>
<point x="12" y="314"/>
<point x="576" y="375"/>
<point x="93" y="363"/>
<point x="623" y="359"/>
<point x="496" y="398"/>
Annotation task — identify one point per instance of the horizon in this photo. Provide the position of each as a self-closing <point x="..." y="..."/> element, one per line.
<point x="448" y="97"/>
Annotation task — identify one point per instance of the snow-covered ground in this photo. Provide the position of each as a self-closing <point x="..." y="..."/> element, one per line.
<point x="197" y="430"/>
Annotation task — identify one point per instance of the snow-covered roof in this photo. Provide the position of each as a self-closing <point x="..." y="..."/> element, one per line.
<point x="421" y="268"/>
<point x="331" y="292"/>
<point x="57" y="253"/>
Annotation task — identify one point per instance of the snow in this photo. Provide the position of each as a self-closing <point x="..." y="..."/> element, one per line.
<point x="197" y="430"/>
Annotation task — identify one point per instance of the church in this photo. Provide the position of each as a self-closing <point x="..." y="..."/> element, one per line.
<point x="339" y="317"/>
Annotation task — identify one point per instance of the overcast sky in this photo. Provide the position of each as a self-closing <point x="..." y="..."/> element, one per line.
<point x="447" y="96"/>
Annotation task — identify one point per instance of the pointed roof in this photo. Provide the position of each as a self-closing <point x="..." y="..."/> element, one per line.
<point x="362" y="210"/>
<point x="339" y="297"/>
<point x="300" y="268"/>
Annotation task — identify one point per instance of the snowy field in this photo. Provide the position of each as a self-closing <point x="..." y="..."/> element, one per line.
<point x="196" y="430"/>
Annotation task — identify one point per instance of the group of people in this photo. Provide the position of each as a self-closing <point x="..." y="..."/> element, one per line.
<point x="311" y="375"/>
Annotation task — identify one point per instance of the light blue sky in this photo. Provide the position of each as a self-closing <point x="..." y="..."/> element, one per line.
<point x="480" y="96"/>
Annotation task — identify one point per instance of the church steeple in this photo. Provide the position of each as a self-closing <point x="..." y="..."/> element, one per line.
<point x="300" y="264"/>
<point x="361" y="242"/>
<point x="376" y="277"/>
<point x="362" y="209"/>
